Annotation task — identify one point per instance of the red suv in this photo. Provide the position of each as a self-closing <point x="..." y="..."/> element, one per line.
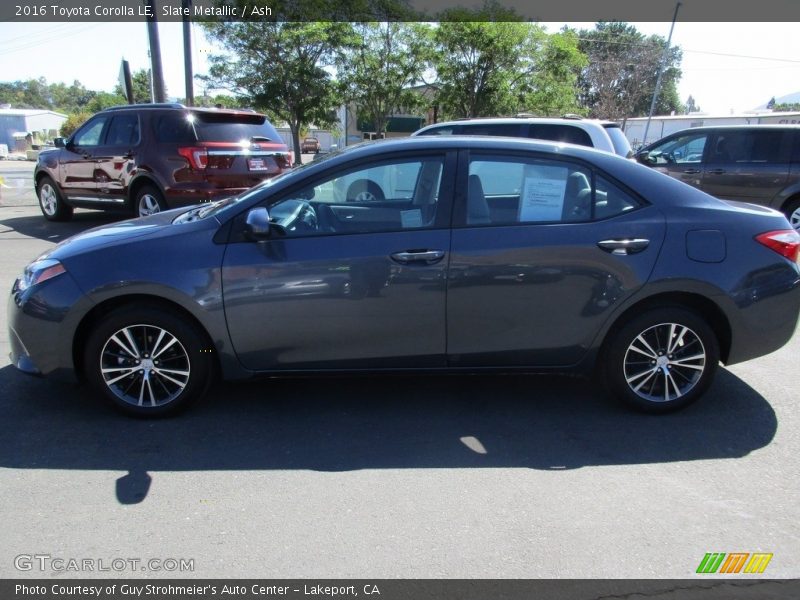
<point x="147" y="158"/>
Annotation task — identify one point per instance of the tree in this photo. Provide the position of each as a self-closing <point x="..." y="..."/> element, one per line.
<point x="73" y="121"/>
<point x="620" y="77"/>
<point x="691" y="106"/>
<point x="488" y="62"/>
<point x="786" y="106"/>
<point x="280" y="67"/>
<point x="380" y="65"/>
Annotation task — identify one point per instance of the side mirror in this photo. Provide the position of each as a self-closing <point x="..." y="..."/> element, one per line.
<point x="59" y="142"/>
<point x="257" y="227"/>
<point x="643" y="156"/>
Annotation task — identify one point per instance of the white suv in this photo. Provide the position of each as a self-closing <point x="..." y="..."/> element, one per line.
<point x="603" y="135"/>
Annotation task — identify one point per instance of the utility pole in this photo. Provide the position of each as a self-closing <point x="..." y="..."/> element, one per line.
<point x="187" y="53"/>
<point x="660" y="73"/>
<point x="155" y="53"/>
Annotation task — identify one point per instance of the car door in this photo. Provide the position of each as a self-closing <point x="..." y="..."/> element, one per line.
<point x="680" y="156"/>
<point x="542" y="253"/>
<point x="749" y="165"/>
<point x="342" y="283"/>
<point x="114" y="158"/>
<point x="78" y="162"/>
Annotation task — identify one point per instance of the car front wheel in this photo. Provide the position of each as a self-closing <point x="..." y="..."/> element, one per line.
<point x="148" y="361"/>
<point x="793" y="213"/>
<point x="662" y="360"/>
<point x="51" y="202"/>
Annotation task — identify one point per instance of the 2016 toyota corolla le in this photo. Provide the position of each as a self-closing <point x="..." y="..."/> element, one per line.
<point x="468" y="254"/>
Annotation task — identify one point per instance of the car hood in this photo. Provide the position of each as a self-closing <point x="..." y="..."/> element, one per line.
<point x="123" y="232"/>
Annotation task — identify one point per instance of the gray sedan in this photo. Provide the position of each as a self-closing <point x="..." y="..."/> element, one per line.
<point x="468" y="254"/>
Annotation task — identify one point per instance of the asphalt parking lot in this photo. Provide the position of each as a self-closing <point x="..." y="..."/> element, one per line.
<point x="393" y="477"/>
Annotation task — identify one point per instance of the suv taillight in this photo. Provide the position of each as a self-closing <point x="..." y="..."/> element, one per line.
<point x="197" y="157"/>
<point x="785" y="242"/>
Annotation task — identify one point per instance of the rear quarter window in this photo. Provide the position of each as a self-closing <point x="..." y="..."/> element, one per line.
<point x="174" y="128"/>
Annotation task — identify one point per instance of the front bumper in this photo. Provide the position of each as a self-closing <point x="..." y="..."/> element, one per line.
<point x="42" y="322"/>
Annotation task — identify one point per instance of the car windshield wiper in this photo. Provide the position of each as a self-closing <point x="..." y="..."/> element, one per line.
<point x="260" y="138"/>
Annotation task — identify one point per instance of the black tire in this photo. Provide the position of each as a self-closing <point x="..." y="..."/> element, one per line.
<point x="792" y="212"/>
<point x="661" y="360"/>
<point x="148" y="200"/>
<point x="364" y="190"/>
<point x="120" y="365"/>
<point x="51" y="201"/>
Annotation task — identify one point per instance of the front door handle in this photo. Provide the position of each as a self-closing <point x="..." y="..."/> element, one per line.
<point x="428" y="257"/>
<point x="691" y="171"/>
<point x="624" y="246"/>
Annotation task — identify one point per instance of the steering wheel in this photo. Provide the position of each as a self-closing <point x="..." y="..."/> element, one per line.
<point x="296" y="216"/>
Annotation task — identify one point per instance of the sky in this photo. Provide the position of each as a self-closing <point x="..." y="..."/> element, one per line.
<point x="727" y="67"/>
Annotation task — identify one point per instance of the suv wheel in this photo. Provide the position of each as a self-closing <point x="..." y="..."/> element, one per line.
<point x="662" y="360"/>
<point x="52" y="202"/>
<point x="364" y="190"/>
<point x="148" y="201"/>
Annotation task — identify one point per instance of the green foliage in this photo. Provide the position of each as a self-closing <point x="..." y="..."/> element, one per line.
<point x="490" y="63"/>
<point x="37" y="93"/>
<point x="379" y="66"/>
<point x="620" y="76"/>
<point x="786" y="107"/>
<point x="73" y="121"/>
<point x="280" y="68"/>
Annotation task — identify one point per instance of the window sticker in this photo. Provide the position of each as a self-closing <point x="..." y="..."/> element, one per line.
<point x="543" y="194"/>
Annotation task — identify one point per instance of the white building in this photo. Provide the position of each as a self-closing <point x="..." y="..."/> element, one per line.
<point x="28" y="120"/>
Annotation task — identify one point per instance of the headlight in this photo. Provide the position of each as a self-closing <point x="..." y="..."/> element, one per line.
<point x="39" y="271"/>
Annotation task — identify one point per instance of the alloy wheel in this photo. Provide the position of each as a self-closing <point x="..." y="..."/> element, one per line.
<point x="664" y="362"/>
<point x="48" y="199"/>
<point x="145" y="365"/>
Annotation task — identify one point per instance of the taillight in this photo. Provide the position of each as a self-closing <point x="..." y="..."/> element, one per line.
<point x="197" y="157"/>
<point x="785" y="242"/>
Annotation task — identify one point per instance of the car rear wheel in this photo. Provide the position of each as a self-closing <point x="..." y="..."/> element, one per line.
<point x="51" y="202"/>
<point x="148" y="361"/>
<point x="148" y="201"/>
<point x="662" y="360"/>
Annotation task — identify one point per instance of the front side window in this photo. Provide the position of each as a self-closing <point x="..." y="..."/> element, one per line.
<point x="679" y="150"/>
<point x="388" y="196"/>
<point x="511" y="190"/>
<point x="90" y="134"/>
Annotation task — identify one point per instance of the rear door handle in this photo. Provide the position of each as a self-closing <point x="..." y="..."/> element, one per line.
<point x="716" y="171"/>
<point x="624" y="246"/>
<point x="691" y="171"/>
<point x="428" y="257"/>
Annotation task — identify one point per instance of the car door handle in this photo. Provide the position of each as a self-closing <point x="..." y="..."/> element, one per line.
<point x="691" y="171"/>
<point x="428" y="257"/>
<point x="624" y="246"/>
<point x="716" y="171"/>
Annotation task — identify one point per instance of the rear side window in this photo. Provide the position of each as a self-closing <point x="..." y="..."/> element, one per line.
<point x="175" y="128"/>
<point x="445" y="130"/>
<point x="227" y="127"/>
<point x="560" y="133"/>
<point x="123" y="131"/>
<point x="750" y="147"/>
<point x="509" y="190"/>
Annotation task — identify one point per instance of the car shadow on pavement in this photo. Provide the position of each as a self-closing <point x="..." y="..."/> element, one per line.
<point x="39" y="227"/>
<point x="389" y="422"/>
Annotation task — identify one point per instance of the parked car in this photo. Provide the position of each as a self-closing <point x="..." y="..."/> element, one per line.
<point x="750" y="163"/>
<point x="145" y="158"/>
<point x="310" y="144"/>
<point x="572" y="129"/>
<point x="588" y="263"/>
